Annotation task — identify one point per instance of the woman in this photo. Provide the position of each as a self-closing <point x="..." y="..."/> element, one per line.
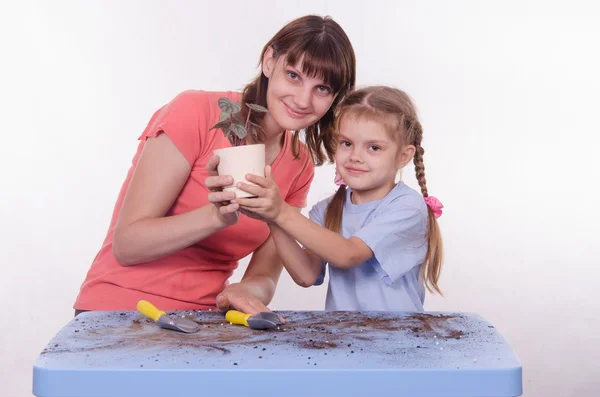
<point x="175" y="238"/>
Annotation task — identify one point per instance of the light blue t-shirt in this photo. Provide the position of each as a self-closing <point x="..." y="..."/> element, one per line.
<point x="395" y="228"/>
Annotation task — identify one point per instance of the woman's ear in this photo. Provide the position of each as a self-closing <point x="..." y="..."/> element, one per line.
<point x="405" y="156"/>
<point x="268" y="62"/>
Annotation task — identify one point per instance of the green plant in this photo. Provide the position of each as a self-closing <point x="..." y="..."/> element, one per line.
<point x="232" y="124"/>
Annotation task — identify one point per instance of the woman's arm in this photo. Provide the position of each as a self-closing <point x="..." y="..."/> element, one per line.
<point x="257" y="287"/>
<point x="303" y="266"/>
<point x="142" y="232"/>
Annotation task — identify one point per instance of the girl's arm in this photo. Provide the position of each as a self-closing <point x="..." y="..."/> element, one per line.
<point x="142" y="232"/>
<point x="303" y="266"/>
<point x="333" y="248"/>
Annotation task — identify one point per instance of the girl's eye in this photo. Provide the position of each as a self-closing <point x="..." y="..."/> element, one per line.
<point x="292" y="75"/>
<point x="374" y="148"/>
<point x="345" y="144"/>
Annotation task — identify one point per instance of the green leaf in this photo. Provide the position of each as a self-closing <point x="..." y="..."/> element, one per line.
<point x="238" y="130"/>
<point x="257" y="108"/>
<point x="224" y="116"/>
<point x="228" y="106"/>
<point x="222" y="125"/>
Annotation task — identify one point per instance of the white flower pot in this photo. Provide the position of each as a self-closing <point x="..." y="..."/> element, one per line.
<point x="238" y="161"/>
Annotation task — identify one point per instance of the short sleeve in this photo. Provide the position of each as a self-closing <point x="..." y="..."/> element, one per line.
<point x="317" y="212"/>
<point x="397" y="237"/>
<point x="317" y="215"/>
<point x="296" y="197"/>
<point x="180" y="120"/>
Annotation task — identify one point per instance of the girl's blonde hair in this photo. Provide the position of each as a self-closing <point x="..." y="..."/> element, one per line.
<point x="326" y="52"/>
<point x="395" y="110"/>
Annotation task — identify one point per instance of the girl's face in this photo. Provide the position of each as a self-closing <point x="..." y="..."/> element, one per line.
<point x="295" y="101"/>
<point x="368" y="159"/>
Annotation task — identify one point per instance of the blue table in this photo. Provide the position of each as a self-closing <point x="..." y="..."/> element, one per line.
<point x="374" y="354"/>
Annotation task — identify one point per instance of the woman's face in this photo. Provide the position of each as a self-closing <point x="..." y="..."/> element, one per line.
<point x="295" y="100"/>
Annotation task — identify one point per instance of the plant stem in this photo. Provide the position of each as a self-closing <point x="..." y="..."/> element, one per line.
<point x="248" y="119"/>
<point x="247" y="125"/>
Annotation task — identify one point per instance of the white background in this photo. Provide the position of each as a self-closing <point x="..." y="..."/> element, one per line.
<point x="507" y="93"/>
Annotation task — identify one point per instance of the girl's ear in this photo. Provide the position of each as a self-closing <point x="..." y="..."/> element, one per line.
<point x="268" y="63"/>
<point x="405" y="156"/>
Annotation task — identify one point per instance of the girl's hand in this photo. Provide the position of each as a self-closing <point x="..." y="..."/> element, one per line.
<point x="252" y="215"/>
<point x="268" y="203"/>
<point x="226" y="211"/>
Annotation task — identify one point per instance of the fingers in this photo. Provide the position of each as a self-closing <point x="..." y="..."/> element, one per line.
<point x="212" y="164"/>
<point x="236" y="302"/>
<point x="250" y="203"/>
<point x="221" y="197"/>
<point x="259" y="180"/>
<point x="223" y="302"/>
<point x="255" y="190"/>
<point x="217" y="182"/>
<point x="257" y="306"/>
<point x="242" y="303"/>
<point x="229" y="208"/>
<point x="251" y="306"/>
<point x="262" y="180"/>
<point x="281" y="318"/>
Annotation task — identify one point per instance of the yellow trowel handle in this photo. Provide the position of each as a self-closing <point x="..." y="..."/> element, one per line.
<point x="235" y="317"/>
<point x="149" y="310"/>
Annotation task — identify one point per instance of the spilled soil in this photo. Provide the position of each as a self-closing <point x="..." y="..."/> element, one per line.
<point x="303" y="330"/>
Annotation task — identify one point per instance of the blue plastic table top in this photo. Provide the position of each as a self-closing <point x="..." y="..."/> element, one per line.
<point x="316" y="353"/>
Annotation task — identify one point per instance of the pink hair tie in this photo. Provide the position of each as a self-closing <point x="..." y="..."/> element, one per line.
<point x="338" y="179"/>
<point x="435" y="205"/>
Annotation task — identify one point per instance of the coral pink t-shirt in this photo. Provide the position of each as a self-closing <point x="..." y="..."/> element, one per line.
<point x="192" y="277"/>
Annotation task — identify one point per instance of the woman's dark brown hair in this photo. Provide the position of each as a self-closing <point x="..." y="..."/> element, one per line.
<point x="326" y="52"/>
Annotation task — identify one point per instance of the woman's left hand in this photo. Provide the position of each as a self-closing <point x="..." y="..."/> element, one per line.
<point x="238" y="296"/>
<point x="268" y="202"/>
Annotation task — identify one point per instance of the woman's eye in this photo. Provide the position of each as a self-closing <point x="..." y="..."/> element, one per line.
<point x="293" y="76"/>
<point x="324" y="89"/>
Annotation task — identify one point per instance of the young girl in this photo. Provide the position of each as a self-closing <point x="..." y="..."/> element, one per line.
<point x="380" y="238"/>
<point x="174" y="239"/>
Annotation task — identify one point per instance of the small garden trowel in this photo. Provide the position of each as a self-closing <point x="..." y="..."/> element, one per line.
<point x="263" y="320"/>
<point x="162" y="320"/>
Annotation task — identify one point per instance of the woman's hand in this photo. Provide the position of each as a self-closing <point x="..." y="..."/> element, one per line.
<point x="226" y="211"/>
<point x="237" y="296"/>
<point x="267" y="204"/>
